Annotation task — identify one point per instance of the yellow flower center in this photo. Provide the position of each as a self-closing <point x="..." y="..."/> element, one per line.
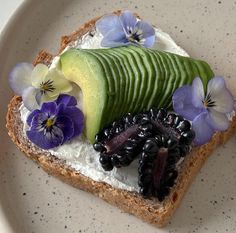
<point x="135" y="36"/>
<point x="205" y="103"/>
<point x="47" y="86"/>
<point x="208" y="102"/>
<point x="50" y="122"/>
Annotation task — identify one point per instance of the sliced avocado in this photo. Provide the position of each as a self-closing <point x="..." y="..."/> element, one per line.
<point x="127" y="79"/>
<point x="143" y="78"/>
<point x="119" y="76"/>
<point x="180" y="74"/>
<point x="114" y="92"/>
<point x="132" y="68"/>
<point x="124" y="80"/>
<point x="162" y="73"/>
<point x="151" y="87"/>
<point x="170" y="76"/>
<point x="149" y="72"/>
<point x="87" y="72"/>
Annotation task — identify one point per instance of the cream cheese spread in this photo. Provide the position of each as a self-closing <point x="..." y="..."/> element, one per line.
<point x="78" y="153"/>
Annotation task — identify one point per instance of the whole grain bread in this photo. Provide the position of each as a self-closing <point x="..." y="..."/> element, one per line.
<point x="149" y="210"/>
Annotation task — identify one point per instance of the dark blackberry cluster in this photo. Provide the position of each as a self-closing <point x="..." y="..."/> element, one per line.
<point x="157" y="138"/>
<point x="157" y="168"/>
<point x="120" y="143"/>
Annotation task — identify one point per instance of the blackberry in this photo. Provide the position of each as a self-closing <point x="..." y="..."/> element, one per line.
<point x="161" y="114"/>
<point x="106" y="162"/>
<point x="123" y="139"/>
<point x="184" y="149"/>
<point x="115" y="161"/>
<point x="170" y="119"/>
<point x="176" y="152"/>
<point x="157" y="170"/>
<point x="107" y="132"/>
<point x="128" y="120"/>
<point x="98" y="147"/>
<point x="150" y="146"/>
<point x="99" y="137"/>
<point x="160" y="154"/>
<point x="184" y="126"/>
<point x="153" y="113"/>
<point x="158" y="138"/>
<point x="187" y="137"/>
<point x="171" y="143"/>
<point x="137" y="118"/>
<point x="146" y="125"/>
<point x="144" y="191"/>
<point x="178" y="120"/>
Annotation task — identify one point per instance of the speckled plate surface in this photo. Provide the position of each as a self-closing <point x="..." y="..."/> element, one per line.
<point x="33" y="202"/>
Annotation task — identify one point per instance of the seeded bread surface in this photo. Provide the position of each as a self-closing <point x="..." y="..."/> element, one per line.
<point x="149" y="210"/>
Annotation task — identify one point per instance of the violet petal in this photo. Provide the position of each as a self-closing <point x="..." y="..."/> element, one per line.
<point x="147" y="32"/>
<point x="114" y="39"/>
<point x="78" y="119"/>
<point x="20" y="77"/>
<point x="46" y="140"/>
<point x="38" y="97"/>
<point x="108" y="23"/>
<point x="67" y="100"/>
<point x="49" y="108"/>
<point x="67" y="127"/>
<point x="217" y="120"/>
<point x="29" y="98"/>
<point x="39" y="73"/>
<point x="38" y="120"/>
<point x="128" y="21"/>
<point x="217" y="84"/>
<point x="220" y="95"/>
<point x="198" y="94"/>
<point x="75" y="115"/>
<point x="149" y="41"/>
<point x="182" y="103"/>
<point x="32" y="115"/>
<point x="59" y="84"/>
<point x="41" y="136"/>
<point x="203" y="131"/>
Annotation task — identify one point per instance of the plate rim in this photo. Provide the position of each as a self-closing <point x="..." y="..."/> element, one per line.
<point x="12" y="21"/>
<point x="5" y="223"/>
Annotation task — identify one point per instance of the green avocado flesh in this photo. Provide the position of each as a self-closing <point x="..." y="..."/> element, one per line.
<point x="127" y="79"/>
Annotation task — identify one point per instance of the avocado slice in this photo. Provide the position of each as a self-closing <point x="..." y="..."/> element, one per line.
<point x="116" y="81"/>
<point x="122" y="77"/>
<point x="93" y="84"/>
<point x="113" y="91"/>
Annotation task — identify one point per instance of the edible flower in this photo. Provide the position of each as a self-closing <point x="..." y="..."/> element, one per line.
<point x="55" y="123"/>
<point x="208" y="112"/>
<point x="37" y="84"/>
<point x="125" y="29"/>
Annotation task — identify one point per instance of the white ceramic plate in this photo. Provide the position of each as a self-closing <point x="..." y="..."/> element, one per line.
<point x="32" y="201"/>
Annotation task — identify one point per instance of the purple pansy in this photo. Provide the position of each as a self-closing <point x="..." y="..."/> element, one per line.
<point x="125" y="29"/>
<point x="55" y="123"/>
<point x="208" y="112"/>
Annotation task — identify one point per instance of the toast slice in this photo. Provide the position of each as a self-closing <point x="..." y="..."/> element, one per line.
<point x="149" y="210"/>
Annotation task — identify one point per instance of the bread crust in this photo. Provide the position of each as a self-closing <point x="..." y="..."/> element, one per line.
<point x="151" y="211"/>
